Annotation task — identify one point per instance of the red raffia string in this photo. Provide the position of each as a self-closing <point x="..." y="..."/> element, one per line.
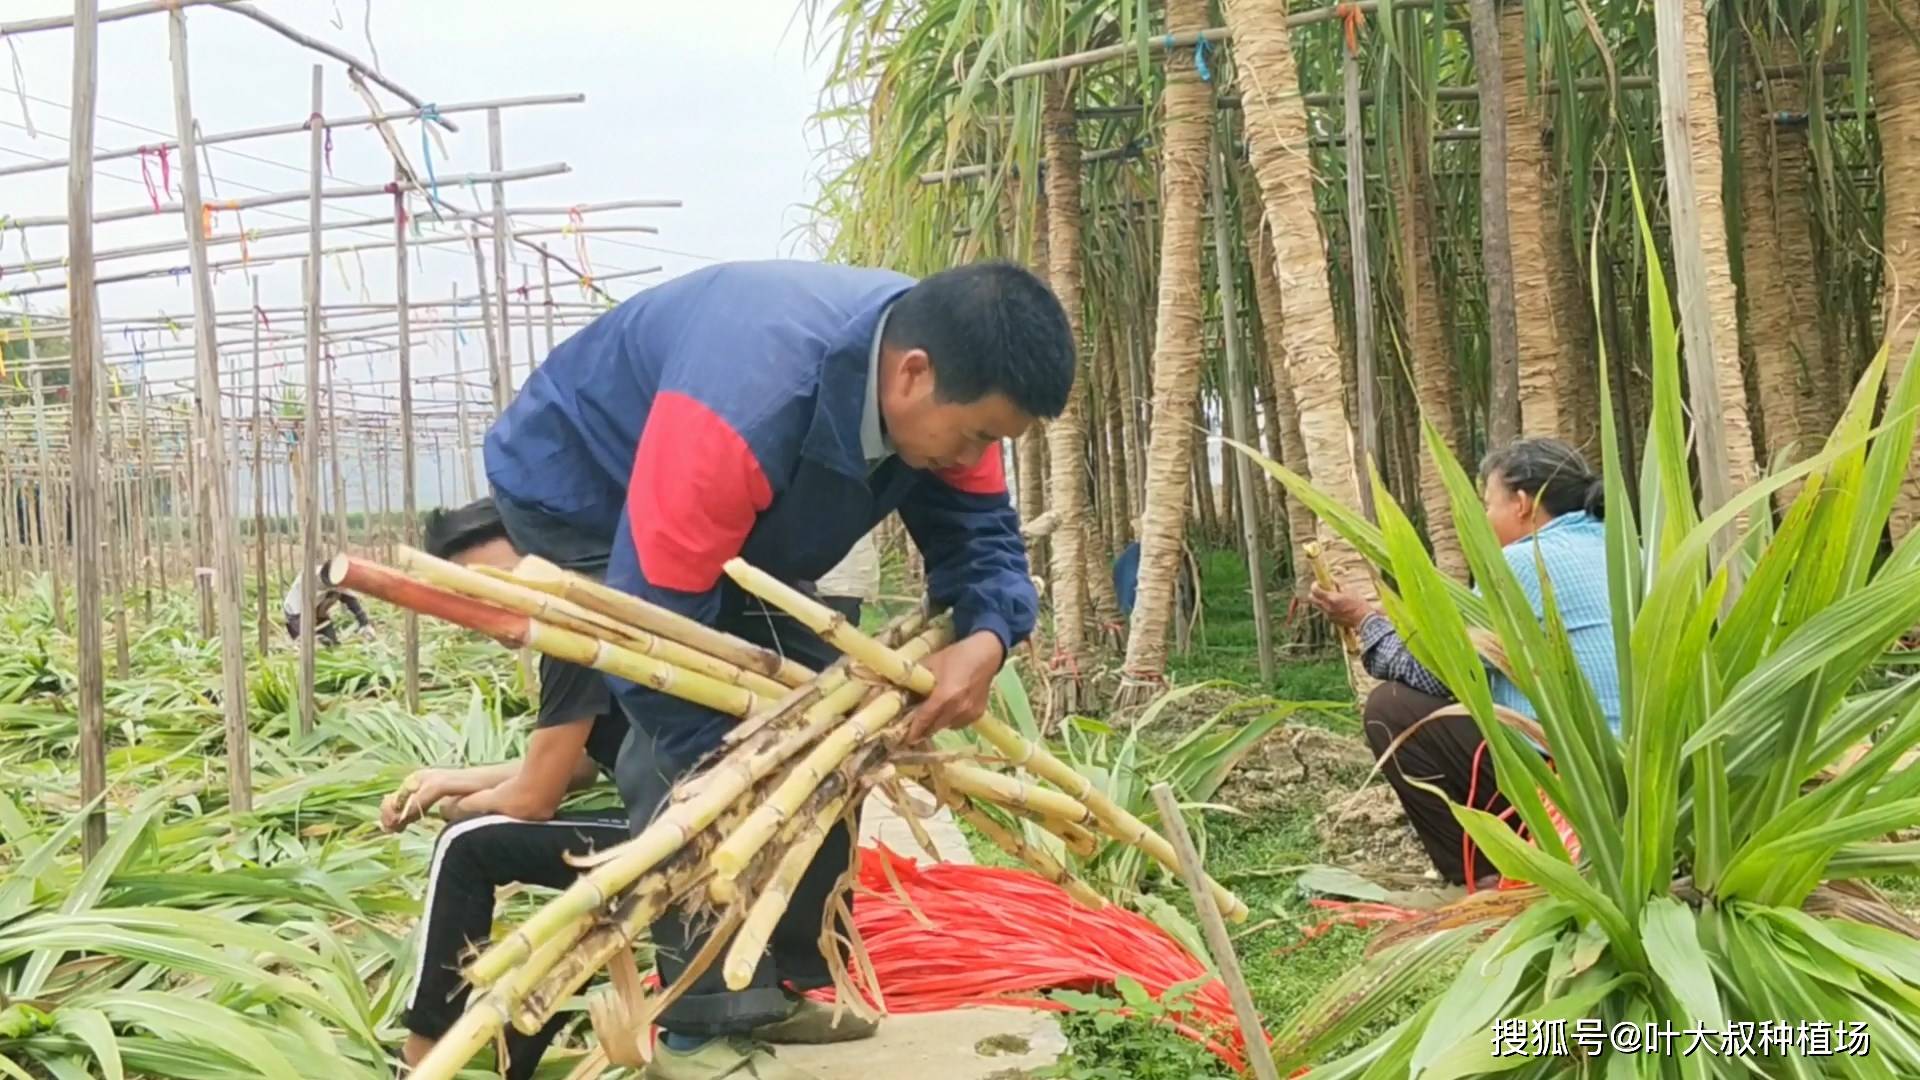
<point x="1354" y="19"/>
<point x="1004" y="937"/>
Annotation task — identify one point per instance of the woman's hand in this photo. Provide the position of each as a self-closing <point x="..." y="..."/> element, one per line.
<point x="1341" y="607"/>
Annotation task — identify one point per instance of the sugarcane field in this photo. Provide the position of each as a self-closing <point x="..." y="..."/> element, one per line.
<point x="960" y="540"/>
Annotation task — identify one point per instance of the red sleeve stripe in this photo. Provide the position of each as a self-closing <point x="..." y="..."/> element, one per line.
<point x="695" y="492"/>
<point x="988" y="476"/>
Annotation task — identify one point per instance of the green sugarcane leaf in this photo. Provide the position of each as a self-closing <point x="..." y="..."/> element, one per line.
<point x="91" y="1027"/>
<point x="1486" y="990"/>
<point x="1474" y="1054"/>
<point x="1673" y="948"/>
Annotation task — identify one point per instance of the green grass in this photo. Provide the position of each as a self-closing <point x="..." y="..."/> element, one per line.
<point x="1256" y="853"/>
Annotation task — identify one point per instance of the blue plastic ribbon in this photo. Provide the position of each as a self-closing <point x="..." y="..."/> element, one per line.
<point x="1200" y="51"/>
<point x="429" y="114"/>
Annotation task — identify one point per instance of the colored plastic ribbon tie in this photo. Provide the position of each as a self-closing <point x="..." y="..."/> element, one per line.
<point x="326" y="145"/>
<point x="261" y="314"/>
<point x="1352" y="18"/>
<point x="1200" y="50"/>
<point x="147" y="154"/>
<point x="429" y="114"/>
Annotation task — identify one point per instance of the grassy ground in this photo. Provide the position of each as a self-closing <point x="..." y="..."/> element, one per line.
<point x="1259" y="848"/>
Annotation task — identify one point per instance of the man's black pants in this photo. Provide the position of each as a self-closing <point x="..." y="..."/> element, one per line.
<point x="646" y="774"/>
<point x="1445" y="753"/>
<point x="471" y="860"/>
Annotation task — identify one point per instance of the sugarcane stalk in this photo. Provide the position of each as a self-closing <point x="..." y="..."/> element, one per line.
<point x="862" y="727"/>
<point x="488" y="1014"/>
<point x="642" y="669"/>
<point x="1114" y="819"/>
<point x="1037" y="859"/>
<point x="579" y="965"/>
<point x="1077" y="838"/>
<point x="1323" y="577"/>
<point x="561" y="612"/>
<point x="725" y="889"/>
<point x="617" y="867"/>
<point x="633" y="611"/>
<point x="1007" y="790"/>
<point x="743" y="956"/>
<point x="832" y="626"/>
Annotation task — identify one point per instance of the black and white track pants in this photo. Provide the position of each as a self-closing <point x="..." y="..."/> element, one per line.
<point x="471" y="860"/>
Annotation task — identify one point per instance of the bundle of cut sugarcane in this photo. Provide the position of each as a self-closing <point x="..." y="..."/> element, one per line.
<point x="735" y="836"/>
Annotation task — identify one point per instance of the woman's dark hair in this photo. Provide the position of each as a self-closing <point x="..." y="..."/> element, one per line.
<point x="990" y="327"/>
<point x="449" y="532"/>
<point x="1552" y="472"/>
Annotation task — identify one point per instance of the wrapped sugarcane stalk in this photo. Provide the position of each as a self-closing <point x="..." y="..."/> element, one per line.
<point x="1114" y="819"/>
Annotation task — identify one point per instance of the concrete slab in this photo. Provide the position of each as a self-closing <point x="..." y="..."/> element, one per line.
<point x="963" y="1044"/>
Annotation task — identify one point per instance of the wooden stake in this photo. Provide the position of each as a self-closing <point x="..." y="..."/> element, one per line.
<point x="1496" y="248"/>
<point x="501" y="226"/>
<point x="50" y="547"/>
<point x="408" y="502"/>
<point x="1174" y="827"/>
<point x="471" y="489"/>
<point x="83" y="335"/>
<point x="310" y="419"/>
<point x="1238" y="421"/>
<point x="526" y="317"/>
<point x="546" y="290"/>
<point x="259" y="495"/>
<point x="226" y="563"/>
<point x="342" y="537"/>
<point x="501" y="381"/>
<point x="1369" y="418"/>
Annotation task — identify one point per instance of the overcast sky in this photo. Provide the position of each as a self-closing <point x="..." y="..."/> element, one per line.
<point x="706" y="103"/>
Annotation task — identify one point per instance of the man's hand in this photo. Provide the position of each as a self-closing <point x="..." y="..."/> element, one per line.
<point x="1342" y="608"/>
<point x="963" y="674"/>
<point x="416" y="796"/>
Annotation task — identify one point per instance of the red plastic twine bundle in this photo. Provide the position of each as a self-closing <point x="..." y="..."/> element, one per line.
<point x="949" y="936"/>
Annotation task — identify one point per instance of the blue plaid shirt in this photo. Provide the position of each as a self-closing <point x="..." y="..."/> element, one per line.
<point x="1573" y="548"/>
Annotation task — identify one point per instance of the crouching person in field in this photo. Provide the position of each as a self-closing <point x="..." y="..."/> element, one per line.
<point x="506" y="824"/>
<point x="1544" y="504"/>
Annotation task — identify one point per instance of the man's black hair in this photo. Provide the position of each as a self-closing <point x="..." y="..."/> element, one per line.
<point x="449" y="532"/>
<point x="990" y="327"/>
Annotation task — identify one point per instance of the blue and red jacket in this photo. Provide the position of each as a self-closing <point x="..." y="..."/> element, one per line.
<point x="718" y="415"/>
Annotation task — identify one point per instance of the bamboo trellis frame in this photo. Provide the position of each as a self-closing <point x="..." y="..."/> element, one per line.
<point x="144" y="467"/>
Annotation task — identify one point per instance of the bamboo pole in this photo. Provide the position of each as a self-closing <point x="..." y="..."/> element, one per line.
<point x="144" y="508"/>
<point x="310" y="420"/>
<point x="49" y="547"/>
<point x="472" y="487"/>
<point x="112" y="511"/>
<point x="85" y="344"/>
<point x="1225" y="960"/>
<point x="501" y="382"/>
<point x="223" y="137"/>
<point x="1161" y="43"/>
<point x="1496" y="248"/>
<point x="526" y="309"/>
<point x="409" y="503"/>
<point x="546" y="290"/>
<point x="496" y="155"/>
<point x="226" y="563"/>
<point x="1362" y="263"/>
<point x="341" y="532"/>
<point x="277" y="198"/>
<point x="1238" y="421"/>
<point x="261" y="591"/>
